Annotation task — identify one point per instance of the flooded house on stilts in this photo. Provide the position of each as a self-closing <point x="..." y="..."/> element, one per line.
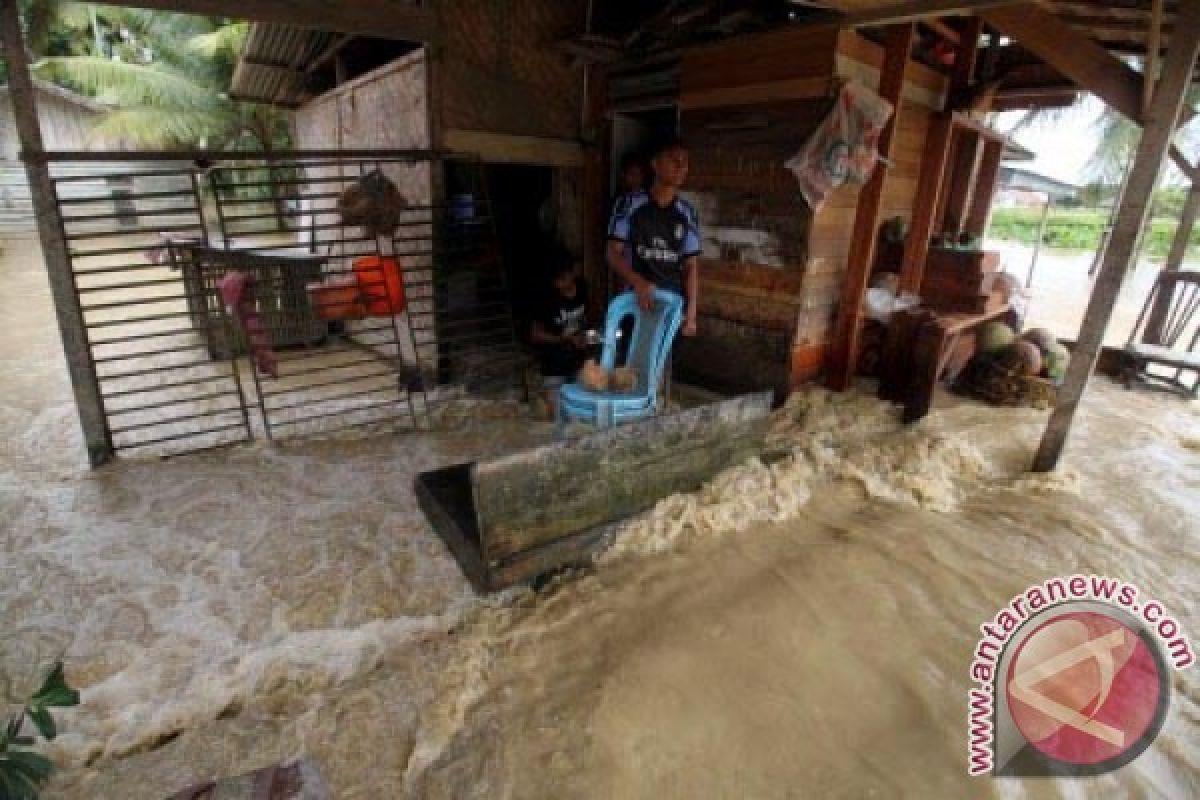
<point x="500" y="128"/>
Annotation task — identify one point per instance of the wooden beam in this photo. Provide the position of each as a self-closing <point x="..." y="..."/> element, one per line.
<point x="1076" y="55"/>
<point x="920" y="10"/>
<point x="929" y="190"/>
<point x="329" y="53"/>
<point x="968" y="52"/>
<point x="943" y="30"/>
<point x="1132" y="217"/>
<point x="1153" y="47"/>
<point x="961" y="180"/>
<point x="385" y="19"/>
<point x="80" y="366"/>
<point x="985" y="189"/>
<point x="1179" y="245"/>
<point x="898" y="41"/>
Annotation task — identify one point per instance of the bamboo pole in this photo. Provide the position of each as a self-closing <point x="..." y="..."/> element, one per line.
<point x="1132" y="216"/>
<point x="80" y="367"/>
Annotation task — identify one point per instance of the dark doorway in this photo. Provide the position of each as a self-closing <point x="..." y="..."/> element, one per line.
<point x="522" y="203"/>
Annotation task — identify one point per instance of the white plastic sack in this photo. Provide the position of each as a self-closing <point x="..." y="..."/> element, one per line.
<point x="844" y="146"/>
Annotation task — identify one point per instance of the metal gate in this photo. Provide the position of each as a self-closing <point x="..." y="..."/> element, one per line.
<point x="229" y="297"/>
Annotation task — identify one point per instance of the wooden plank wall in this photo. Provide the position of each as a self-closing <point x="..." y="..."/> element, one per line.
<point x="65" y="125"/>
<point x="386" y="108"/>
<point x="500" y="72"/>
<point x="790" y="69"/>
<point x="925" y="91"/>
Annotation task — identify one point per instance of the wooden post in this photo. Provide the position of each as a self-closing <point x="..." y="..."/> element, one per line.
<point x="1153" y="48"/>
<point x="961" y="180"/>
<point x="1131" y="218"/>
<point x="1183" y="234"/>
<point x="80" y="367"/>
<point x="924" y="216"/>
<point x="898" y="41"/>
<point x="984" y="192"/>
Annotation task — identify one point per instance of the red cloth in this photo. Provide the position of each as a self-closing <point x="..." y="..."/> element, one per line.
<point x="237" y="292"/>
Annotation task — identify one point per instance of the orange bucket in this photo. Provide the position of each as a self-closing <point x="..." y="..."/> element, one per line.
<point x="337" y="298"/>
<point x="382" y="283"/>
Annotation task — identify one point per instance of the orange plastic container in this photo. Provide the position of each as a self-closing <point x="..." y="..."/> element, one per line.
<point x="337" y="298"/>
<point x="382" y="283"/>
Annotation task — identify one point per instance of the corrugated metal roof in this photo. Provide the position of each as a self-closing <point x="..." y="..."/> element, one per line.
<point x="272" y="68"/>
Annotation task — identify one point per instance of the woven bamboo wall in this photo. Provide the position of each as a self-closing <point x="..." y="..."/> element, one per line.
<point x="501" y="72"/>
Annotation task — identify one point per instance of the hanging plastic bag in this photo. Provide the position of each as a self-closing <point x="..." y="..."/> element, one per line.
<point x="844" y="146"/>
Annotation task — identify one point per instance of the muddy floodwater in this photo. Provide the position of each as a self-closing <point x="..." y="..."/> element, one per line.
<point x="803" y="629"/>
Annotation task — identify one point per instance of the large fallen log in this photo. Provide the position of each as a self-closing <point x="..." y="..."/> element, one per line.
<point x="512" y="518"/>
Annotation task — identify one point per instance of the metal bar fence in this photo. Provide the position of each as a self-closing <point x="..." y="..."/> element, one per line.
<point x="364" y="328"/>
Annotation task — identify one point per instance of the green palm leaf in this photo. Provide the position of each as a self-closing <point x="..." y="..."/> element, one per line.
<point x="164" y="127"/>
<point x="124" y="84"/>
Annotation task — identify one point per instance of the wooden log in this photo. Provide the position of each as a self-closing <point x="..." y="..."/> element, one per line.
<point x="535" y="497"/>
<point x="1131" y="218"/>
<point x="69" y="314"/>
<point x="898" y="44"/>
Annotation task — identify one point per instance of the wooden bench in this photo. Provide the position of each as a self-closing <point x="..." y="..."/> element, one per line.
<point x="923" y="347"/>
<point x="509" y="519"/>
<point x="1166" y="334"/>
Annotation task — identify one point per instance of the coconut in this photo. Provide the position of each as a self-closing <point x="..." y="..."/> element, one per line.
<point x="995" y="336"/>
<point x="1058" y="359"/>
<point x="623" y="379"/>
<point x="1044" y="339"/>
<point x="593" y="376"/>
<point x="1030" y="357"/>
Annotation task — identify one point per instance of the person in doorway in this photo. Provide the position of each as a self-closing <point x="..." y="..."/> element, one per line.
<point x="633" y="174"/>
<point x="654" y="236"/>
<point x="559" y="327"/>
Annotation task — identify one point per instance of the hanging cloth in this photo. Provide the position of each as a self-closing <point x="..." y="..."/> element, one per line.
<point x="845" y="145"/>
<point x="237" y="292"/>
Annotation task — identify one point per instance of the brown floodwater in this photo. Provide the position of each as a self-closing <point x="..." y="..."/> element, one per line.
<point x="793" y="630"/>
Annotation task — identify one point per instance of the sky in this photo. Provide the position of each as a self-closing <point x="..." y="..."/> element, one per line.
<point x="1064" y="142"/>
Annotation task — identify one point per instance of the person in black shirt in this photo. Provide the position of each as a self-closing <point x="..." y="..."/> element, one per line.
<point x="654" y="236"/>
<point x="558" y="330"/>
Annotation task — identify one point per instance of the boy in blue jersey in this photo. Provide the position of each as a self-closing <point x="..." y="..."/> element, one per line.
<point x="654" y="236"/>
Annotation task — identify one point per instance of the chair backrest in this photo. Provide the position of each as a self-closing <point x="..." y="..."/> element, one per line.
<point x="1171" y="316"/>
<point x="651" y="337"/>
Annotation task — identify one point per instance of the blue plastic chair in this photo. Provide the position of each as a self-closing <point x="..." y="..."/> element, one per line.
<point x="650" y="344"/>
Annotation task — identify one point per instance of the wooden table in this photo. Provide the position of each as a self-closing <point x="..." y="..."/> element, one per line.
<point x="922" y="347"/>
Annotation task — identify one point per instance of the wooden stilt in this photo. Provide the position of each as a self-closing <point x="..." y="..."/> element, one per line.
<point x="1131" y="218"/>
<point x="1183" y="233"/>
<point x="980" y="210"/>
<point x="929" y="191"/>
<point x="898" y="41"/>
<point x="80" y="366"/>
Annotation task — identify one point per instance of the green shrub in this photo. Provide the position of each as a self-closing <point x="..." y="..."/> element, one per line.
<point x="1079" y="229"/>
<point x="23" y="770"/>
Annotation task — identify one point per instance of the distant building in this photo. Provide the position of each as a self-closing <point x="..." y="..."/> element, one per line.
<point x="67" y="119"/>
<point x="1024" y="188"/>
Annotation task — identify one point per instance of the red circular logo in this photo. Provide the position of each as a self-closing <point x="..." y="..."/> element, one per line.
<point x="1084" y="688"/>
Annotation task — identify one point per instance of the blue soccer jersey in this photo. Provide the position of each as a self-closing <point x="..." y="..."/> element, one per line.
<point x="658" y="240"/>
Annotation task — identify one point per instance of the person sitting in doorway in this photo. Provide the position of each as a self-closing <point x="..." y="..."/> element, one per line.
<point x="559" y="327"/>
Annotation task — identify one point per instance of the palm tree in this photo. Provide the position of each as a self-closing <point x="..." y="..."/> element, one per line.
<point x="165" y="76"/>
